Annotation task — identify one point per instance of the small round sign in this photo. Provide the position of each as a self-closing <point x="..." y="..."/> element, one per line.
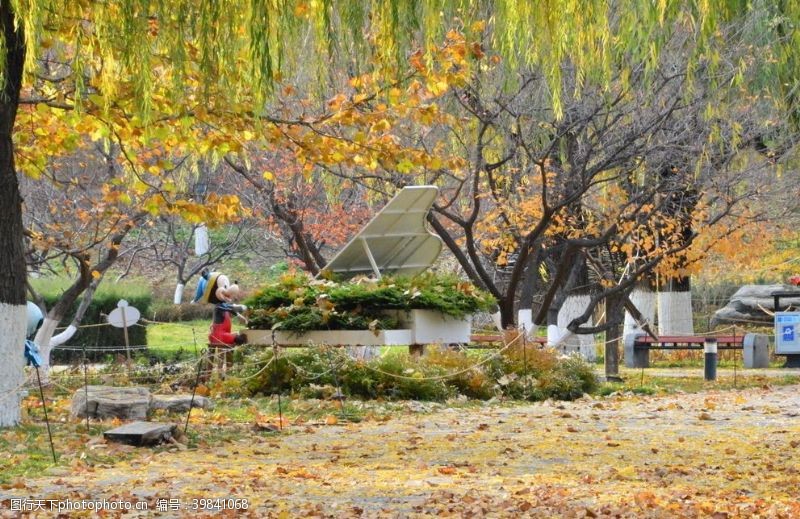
<point x="123" y="315"/>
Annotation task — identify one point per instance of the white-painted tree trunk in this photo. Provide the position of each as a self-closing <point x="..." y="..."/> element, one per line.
<point x="525" y="322"/>
<point x="178" y="298"/>
<point x="47" y="341"/>
<point x="13" y="322"/>
<point x="675" y="313"/>
<point x="645" y="300"/>
<point x="558" y="338"/>
<point x="574" y="306"/>
<point x="61" y="338"/>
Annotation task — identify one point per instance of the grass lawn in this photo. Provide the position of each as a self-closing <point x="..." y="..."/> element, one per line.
<point x="644" y="384"/>
<point x="177" y="341"/>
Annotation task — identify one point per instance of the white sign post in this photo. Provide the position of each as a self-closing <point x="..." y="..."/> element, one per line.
<point x="122" y="317"/>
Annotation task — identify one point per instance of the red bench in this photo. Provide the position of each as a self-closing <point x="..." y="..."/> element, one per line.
<point x="637" y="347"/>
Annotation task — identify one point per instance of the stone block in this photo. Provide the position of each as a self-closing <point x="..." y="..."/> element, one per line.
<point x="141" y="433"/>
<point x="179" y="403"/>
<point x="755" y="350"/>
<point x="125" y="403"/>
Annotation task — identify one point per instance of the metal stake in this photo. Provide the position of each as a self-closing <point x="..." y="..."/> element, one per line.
<point x="275" y="351"/>
<point x="194" y="339"/>
<point x="525" y="359"/>
<point x="46" y="419"/>
<point x="339" y="395"/>
<point x="86" y="387"/>
<point x="127" y="340"/>
<point x="194" y="388"/>
<point x="735" y="356"/>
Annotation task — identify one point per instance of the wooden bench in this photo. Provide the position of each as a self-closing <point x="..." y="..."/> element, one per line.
<point x="638" y="346"/>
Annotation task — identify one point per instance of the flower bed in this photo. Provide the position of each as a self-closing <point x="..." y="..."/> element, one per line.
<point x="298" y="303"/>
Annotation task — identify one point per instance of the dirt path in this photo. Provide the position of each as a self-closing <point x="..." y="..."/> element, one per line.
<point x="727" y="373"/>
<point x="732" y="454"/>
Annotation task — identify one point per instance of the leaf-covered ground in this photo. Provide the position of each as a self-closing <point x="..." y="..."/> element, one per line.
<point x="717" y="454"/>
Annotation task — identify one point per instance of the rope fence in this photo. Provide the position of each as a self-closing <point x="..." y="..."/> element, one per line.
<point x="177" y="372"/>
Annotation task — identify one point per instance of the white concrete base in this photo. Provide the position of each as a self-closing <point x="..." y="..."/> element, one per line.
<point x="419" y="327"/>
<point x="429" y="327"/>
<point x="645" y="301"/>
<point x="675" y="313"/>
<point x="13" y="323"/>
<point x="584" y="344"/>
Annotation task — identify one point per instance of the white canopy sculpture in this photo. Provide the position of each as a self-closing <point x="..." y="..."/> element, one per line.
<point x="395" y="241"/>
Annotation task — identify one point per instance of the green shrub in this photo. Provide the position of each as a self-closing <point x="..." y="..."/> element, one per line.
<point x="438" y="375"/>
<point x="298" y="303"/>
<point x="403" y="377"/>
<point x="468" y="380"/>
<point x="104" y="301"/>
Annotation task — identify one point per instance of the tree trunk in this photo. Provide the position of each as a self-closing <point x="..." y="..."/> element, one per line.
<point x="181" y="280"/>
<point x="13" y="308"/>
<point x="178" y="296"/>
<point x="675" y="294"/>
<point x="507" y="311"/>
<point x="525" y="310"/>
<point x="57" y="313"/>
<point x="615" y="313"/>
<point x="574" y="305"/>
<point x="84" y="283"/>
<point x="69" y="332"/>
<point x="570" y="300"/>
<point x="643" y="296"/>
<point x="675" y="308"/>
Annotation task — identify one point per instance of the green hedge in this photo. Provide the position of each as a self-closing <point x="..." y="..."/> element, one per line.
<point x="104" y="301"/>
<point x="168" y="312"/>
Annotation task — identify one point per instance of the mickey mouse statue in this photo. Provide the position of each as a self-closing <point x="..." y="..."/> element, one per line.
<point x="216" y="288"/>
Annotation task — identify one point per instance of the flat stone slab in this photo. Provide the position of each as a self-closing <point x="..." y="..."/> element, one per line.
<point x="179" y="403"/>
<point x="125" y="403"/>
<point x="130" y="403"/>
<point x="141" y="433"/>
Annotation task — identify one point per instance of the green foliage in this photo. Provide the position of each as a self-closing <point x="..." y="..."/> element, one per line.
<point x="299" y="303"/>
<point x="437" y="375"/>
<point x="168" y="312"/>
